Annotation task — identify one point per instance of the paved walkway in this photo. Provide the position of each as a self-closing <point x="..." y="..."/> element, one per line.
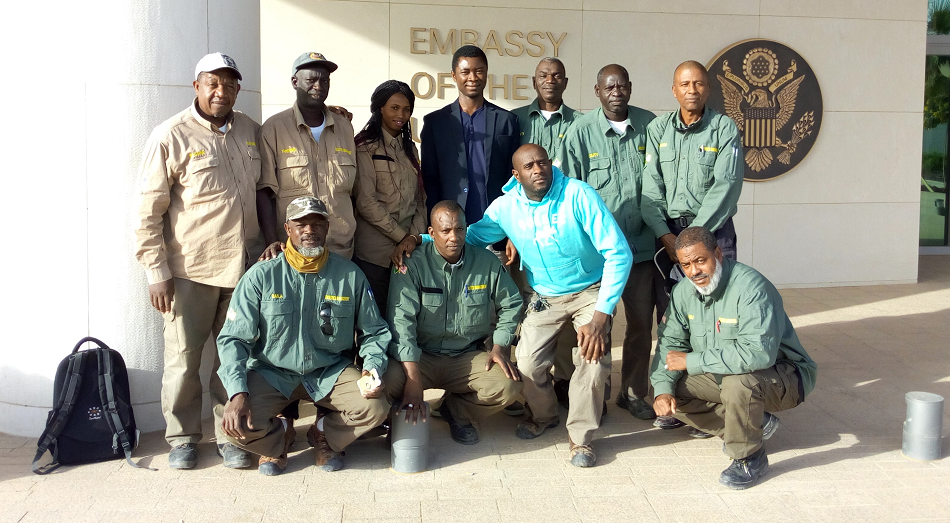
<point x="835" y="458"/>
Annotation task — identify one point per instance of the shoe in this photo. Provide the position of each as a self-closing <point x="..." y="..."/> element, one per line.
<point x="744" y="473"/>
<point x="274" y="466"/>
<point x="667" y="423"/>
<point x="184" y="456"/>
<point x="698" y="434"/>
<point x="464" y="434"/>
<point x="769" y="425"/>
<point x="327" y="459"/>
<point x="637" y="407"/>
<point x="530" y="429"/>
<point x="562" y="391"/>
<point x="234" y="456"/>
<point x="515" y="409"/>
<point x="582" y="455"/>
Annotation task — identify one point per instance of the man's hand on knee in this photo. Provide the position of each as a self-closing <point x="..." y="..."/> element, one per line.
<point x="664" y="405"/>
<point x="592" y="337"/>
<point x="412" y="401"/>
<point x="498" y="356"/>
<point x="236" y="410"/>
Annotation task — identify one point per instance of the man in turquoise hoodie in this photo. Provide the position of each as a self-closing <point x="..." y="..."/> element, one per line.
<point x="577" y="261"/>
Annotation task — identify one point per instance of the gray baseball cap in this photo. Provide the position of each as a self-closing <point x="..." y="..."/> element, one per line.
<point x="312" y="58"/>
<point x="305" y="205"/>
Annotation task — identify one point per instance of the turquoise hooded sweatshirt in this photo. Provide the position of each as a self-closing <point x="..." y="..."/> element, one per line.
<point x="568" y="241"/>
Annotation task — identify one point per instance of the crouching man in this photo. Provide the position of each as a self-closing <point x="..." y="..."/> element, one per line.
<point x="729" y="356"/>
<point x="289" y="323"/>
<point x="441" y="308"/>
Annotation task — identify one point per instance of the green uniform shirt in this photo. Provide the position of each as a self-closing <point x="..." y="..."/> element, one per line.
<point x="548" y="133"/>
<point x="740" y="328"/>
<point x="692" y="171"/>
<point x="274" y="327"/>
<point x="613" y="165"/>
<point x="444" y="309"/>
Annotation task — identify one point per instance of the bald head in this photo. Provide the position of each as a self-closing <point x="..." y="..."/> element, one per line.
<point x="691" y="65"/>
<point x="610" y="69"/>
<point x="532" y="168"/>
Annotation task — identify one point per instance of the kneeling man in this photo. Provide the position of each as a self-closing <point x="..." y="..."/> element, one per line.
<point x="291" y="322"/>
<point x="730" y="356"/>
<point x="441" y="307"/>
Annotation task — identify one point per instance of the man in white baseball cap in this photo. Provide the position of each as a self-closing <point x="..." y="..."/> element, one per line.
<point x="197" y="233"/>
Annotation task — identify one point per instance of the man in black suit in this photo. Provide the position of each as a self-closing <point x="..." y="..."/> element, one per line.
<point x="467" y="145"/>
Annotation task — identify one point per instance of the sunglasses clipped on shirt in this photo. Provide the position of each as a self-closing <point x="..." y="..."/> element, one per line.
<point x="325" y="316"/>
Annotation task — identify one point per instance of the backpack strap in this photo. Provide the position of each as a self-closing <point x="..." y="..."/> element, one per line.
<point x="60" y="414"/>
<point x="107" y="395"/>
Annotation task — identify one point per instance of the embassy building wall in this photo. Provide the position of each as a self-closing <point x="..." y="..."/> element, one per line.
<point x="847" y="214"/>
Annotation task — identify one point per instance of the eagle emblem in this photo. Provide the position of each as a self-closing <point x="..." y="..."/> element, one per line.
<point x="762" y="106"/>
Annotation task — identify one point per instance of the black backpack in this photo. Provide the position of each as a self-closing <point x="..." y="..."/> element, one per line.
<point x="92" y="417"/>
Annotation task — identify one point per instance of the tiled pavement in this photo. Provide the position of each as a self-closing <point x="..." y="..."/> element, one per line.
<point x="835" y="458"/>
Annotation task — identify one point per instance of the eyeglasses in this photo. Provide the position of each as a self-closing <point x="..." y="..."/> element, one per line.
<point x="325" y="315"/>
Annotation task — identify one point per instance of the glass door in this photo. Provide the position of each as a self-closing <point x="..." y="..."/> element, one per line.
<point x="934" y="166"/>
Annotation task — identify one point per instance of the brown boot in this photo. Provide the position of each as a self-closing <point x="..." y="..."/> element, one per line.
<point x="326" y="458"/>
<point x="582" y="455"/>
<point x="273" y="466"/>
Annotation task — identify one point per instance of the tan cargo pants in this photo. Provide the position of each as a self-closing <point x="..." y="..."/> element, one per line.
<point x="198" y="312"/>
<point x="567" y="340"/>
<point x="536" y="351"/>
<point x="351" y="414"/>
<point x="472" y="393"/>
<point x="734" y="409"/>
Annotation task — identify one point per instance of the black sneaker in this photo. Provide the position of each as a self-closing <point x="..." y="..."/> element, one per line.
<point x="667" y="423"/>
<point x="234" y="456"/>
<point x="769" y="425"/>
<point x="698" y="434"/>
<point x="745" y="472"/>
<point x="464" y="434"/>
<point x="515" y="409"/>
<point x="184" y="456"/>
<point x="637" y="407"/>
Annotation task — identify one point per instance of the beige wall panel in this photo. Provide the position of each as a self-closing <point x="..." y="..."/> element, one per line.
<point x="354" y="35"/>
<point x="747" y="196"/>
<point x="722" y="7"/>
<point x="862" y="65"/>
<point x="745" y="246"/>
<point x="914" y="10"/>
<point x="405" y="64"/>
<point x="244" y="46"/>
<point x="641" y="42"/>
<point x="858" y="157"/>
<point x="534" y="4"/>
<point x="836" y="244"/>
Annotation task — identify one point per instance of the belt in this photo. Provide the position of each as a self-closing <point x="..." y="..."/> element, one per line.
<point x="683" y="221"/>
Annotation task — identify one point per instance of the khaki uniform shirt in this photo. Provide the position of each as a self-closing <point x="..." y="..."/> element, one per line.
<point x="612" y="164"/>
<point x="295" y="165"/>
<point x="198" y="212"/>
<point x="390" y="203"/>
<point x="443" y="309"/>
<point x="274" y="327"/>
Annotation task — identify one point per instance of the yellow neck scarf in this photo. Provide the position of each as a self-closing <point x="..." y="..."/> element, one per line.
<point x="302" y="263"/>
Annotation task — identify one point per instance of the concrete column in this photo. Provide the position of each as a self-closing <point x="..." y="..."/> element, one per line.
<point x="81" y="101"/>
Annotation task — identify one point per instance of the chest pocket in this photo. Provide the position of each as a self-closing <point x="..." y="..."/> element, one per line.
<point x="728" y="333"/>
<point x="201" y="180"/>
<point x="697" y="335"/>
<point x="344" y="171"/>
<point x="703" y="177"/>
<point x="276" y="316"/>
<point x="599" y="176"/>
<point x="431" y="311"/>
<point x="293" y="174"/>
<point x="386" y="188"/>
<point x="475" y="310"/>
<point x="254" y="160"/>
<point x="342" y="320"/>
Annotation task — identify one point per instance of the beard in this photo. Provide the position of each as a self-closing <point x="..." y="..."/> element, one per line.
<point x="311" y="252"/>
<point x="713" y="281"/>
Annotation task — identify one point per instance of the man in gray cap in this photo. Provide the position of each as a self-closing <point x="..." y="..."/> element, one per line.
<point x="308" y="150"/>
<point x="196" y="235"/>
<point x="288" y="327"/>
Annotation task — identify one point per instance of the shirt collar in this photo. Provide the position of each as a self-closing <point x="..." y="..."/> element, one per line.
<point x="327" y="117"/>
<point x="680" y="126"/>
<point x="535" y="107"/>
<point x="392" y="141"/>
<point x="446" y="266"/>
<point x="204" y="122"/>
<point x="605" y="124"/>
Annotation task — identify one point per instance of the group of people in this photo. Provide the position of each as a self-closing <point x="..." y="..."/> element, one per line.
<point x="351" y="272"/>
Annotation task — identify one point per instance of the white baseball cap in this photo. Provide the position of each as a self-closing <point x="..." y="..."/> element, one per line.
<point x="215" y="61"/>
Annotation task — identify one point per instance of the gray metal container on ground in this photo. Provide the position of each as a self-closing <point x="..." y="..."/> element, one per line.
<point x="410" y="448"/>
<point x="923" y="426"/>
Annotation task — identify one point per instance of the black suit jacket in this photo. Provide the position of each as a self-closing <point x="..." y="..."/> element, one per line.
<point x="445" y="162"/>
